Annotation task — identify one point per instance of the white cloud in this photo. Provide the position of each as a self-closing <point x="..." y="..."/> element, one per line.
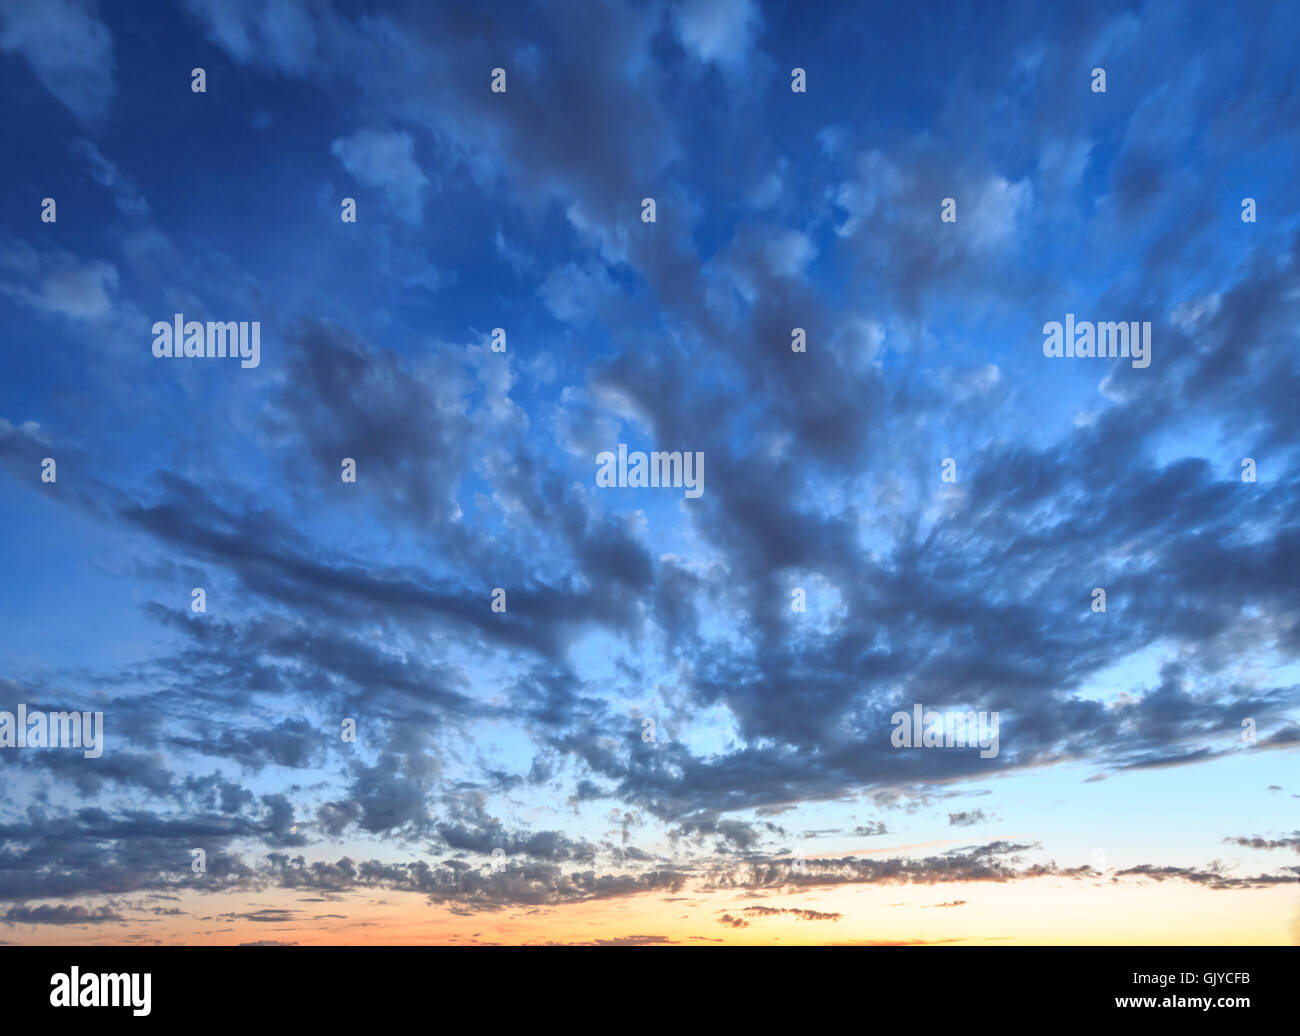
<point x="996" y="213"/>
<point x="125" y="193"/>
<point x="386" y="161"/>
<point x="277" y="33"/>
<point x="1062" y="162"/>
<point x="720" y="31"/>
<point x="572" y="292"/>
<point x="788" y="252"/>
<point x="1190" y="314"/>
<point x="69" y="49"/>
<point x="79" y="293"/>
<point x="56" y="282"/>
<point x="878" y="181"/>
<point x="858" y="341"/>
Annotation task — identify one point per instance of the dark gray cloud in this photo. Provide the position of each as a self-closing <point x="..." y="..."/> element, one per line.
<point x="968" y="818"/>
<point x="60" y="914"/>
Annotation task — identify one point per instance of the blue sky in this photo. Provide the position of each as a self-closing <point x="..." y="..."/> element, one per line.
<point x="1123" y="801"/>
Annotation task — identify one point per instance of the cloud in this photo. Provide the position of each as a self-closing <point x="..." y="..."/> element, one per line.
<point x="57" y="283"/>
<point x="386" y="161"/>
<point x="125" y="193"/>
<point x="278" y="33"/>
<point x="574" y="293"/>
<point x="722" y="32"/>
<point x="69" y="49"/>
<point x="800" y="914"/>
<point x="1291" y="842"/>
<point x="60" y="914"/>
<point x="968" y="819"/>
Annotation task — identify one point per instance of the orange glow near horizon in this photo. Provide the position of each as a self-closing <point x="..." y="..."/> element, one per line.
<point x="1045" y="911"/>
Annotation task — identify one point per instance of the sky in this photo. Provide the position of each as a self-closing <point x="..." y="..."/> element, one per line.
<point x="476" y="694"/>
